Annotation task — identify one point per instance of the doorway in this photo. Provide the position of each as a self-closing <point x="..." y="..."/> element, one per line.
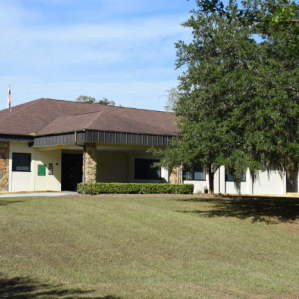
<point x="71" y="171"/>
<point x="292" y="182"/>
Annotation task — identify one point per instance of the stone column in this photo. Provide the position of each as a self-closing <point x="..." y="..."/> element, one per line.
<point x="4" y="165"/>
<point x="174" y="175"/>
<point x="90" y="160"/>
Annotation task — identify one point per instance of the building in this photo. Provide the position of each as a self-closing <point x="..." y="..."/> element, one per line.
<point x="52" y="145"/>
<point x="44" y="143"/>
<point x="271" y="182"/>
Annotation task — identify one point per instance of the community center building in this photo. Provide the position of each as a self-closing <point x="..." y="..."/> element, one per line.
<point x="52" y="145"/>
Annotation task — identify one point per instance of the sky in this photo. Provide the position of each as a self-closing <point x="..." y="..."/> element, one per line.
<point x="119" y="49"/>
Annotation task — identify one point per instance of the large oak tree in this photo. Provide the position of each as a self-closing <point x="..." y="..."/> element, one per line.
<point x="238" y="102"/>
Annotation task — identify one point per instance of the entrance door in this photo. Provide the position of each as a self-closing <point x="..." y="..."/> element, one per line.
<point x="292" y="182"/>
<point x="71" y="171"/>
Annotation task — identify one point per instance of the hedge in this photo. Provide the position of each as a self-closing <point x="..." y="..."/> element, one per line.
<point x="122" y="188"/>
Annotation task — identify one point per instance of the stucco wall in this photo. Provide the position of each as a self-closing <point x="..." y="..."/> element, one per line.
<point x="48" y="182"/>
<point x="230" y="188"/>
<point x="198" y="185"/>
<point x="165" y="175"/>
<point x="111" y="167"/>
<point x="268" y="183"/>
<point x="119" y="167"/>
<point x="263" y="183"/>
<point x="30" y="181"/>
<point x="20" y="181"/>
<point x="271" y="183"/>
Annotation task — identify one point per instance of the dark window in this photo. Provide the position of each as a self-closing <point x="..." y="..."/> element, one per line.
<point x="21" y="162"/>
<point x="229" y="177"/>
<point x="144" y="170"/>
<point x="197" y="174"/>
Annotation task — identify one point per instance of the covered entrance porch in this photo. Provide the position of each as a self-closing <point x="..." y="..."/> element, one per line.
<point x="96" y="156"/>
<point x="102" y="163"/>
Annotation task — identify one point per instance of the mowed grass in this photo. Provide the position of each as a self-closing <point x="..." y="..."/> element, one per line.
<point x="149" y="247"/>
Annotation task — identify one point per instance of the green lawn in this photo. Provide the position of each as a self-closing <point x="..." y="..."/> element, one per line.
<point x="149" y="247"/>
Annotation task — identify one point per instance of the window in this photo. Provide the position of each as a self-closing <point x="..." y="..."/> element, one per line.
<point x="21" y="162"/>
<point x="197" y="174"/>
<point x="144" y="170"/>
<point x="229" y="177"/>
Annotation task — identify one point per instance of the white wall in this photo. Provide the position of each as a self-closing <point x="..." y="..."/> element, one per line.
<point x="230" y="188"/>
<point x="48" y="182"/>
<point x="119" y="167"/>
<point x="198" y="185"/>
<point x="164" y="175"/>
<point x="20" y="181"/>
<point x="271" y="183"/>
<point x="30" y="181"/>
<point x="218" y="178"/>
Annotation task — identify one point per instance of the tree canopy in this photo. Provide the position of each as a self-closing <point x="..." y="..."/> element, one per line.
<point x="90" y="100"/>
<point x="172" y="98"/>
<point x="280" y="15"/>
<point x="105" y="101"/>
<point x="86" y="99"/>
<point x="238" y="101"/>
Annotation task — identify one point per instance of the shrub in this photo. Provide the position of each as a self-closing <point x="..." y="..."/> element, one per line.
<point x="121" y="188"/>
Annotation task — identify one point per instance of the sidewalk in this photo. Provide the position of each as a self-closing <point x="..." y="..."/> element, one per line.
<point x="263" y="195"/>
<point x="40" y="193"/>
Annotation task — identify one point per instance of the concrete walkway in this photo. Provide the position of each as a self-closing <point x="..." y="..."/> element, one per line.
<point x="30" y="194"/>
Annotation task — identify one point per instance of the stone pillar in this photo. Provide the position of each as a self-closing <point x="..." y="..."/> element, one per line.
<point x="4" y="165"/>
<point x="174" y="175"/>
<point x="90" y="160"/>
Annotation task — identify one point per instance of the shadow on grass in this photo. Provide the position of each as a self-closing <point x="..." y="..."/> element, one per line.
<point x="5" y="202"/>
<point x="269" y="210"/>
<point x="26" y="288"/>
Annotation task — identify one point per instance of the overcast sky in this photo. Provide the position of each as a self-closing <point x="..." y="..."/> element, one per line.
<point x="119" y="49"/>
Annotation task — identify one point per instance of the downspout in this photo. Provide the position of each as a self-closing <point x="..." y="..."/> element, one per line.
<point x="178" y="175"/>
<point x="84" y="152"/>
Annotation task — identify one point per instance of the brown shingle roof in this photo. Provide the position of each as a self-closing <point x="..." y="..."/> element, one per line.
<point x="47" y="116"/>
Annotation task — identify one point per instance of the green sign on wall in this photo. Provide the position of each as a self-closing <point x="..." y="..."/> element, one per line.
<point x="41" y="170"/>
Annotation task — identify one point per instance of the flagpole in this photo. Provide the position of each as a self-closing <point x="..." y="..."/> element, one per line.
<point x="9" y="98"/>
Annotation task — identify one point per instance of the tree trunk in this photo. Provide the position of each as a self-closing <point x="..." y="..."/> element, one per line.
<point x="211" y="179"/>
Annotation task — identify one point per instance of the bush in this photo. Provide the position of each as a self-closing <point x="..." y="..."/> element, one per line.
<point x="121" y="188"/>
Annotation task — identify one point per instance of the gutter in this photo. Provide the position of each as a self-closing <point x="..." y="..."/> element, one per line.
<point x="58" y="133"/>
<point x="107" y="131"/>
